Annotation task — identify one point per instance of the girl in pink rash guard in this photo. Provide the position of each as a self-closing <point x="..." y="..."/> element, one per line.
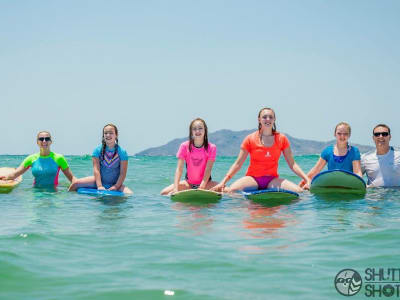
<point x="199" y="156"/>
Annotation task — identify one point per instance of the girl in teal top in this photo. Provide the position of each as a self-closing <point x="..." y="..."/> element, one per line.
<point x="46" y="165"/>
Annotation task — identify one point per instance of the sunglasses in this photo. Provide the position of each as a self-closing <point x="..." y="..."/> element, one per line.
<point x="47" y="139"/>
<point x="381" y="133"/>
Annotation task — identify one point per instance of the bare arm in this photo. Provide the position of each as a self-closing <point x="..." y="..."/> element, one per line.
<point x="67" y="172"/>
<point x="232" y="170"/>
<point x="357" y="167"/>
<point x="207" y="174"/>
<point x="295" y="167"/>
<point x="96" y="173"/>
<point x="317" y="168"/>
<point x="18" y="172"/>
<point x="122" y="175"/>
<point x="178" y="174"/>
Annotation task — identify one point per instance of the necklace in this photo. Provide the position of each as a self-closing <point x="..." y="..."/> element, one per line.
<point x="267" y="140"/>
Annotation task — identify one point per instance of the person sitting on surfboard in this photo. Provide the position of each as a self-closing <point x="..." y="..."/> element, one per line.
<point x="45" y="165"/>
<point x="382" y="165"/>
<point x="340" y="156"/>
<point x="110" y="164"/>
<point x="199" y="156"/>
<point x="264" y="146"/>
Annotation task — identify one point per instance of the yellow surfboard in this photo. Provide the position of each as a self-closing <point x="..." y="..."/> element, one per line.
<point x="7" y="186"/>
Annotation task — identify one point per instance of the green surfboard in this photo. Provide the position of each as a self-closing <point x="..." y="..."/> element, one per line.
<point x="196" y="196"/>
<point x="338" y="181"/>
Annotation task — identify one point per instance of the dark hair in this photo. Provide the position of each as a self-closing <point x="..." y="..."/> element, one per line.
<point x="191" y="139"/>
<point x="259" y="115"/>
<point x="381" y="125"/>
<point x="103" y="142"/>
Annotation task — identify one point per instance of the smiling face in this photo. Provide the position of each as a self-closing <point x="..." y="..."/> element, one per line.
<point x="342" y="134"/>
<point x="381" y="136"/>
<point x="266" y="119"/>
<point x="44" y="140"/>
<point x="198" y="130"/>
<point x="110" y="135"/>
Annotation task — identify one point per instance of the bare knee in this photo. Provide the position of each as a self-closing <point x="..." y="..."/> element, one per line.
<point x="72" y="187"/>
<point x="296" y="189"/>
<point x="165" y="191"/>
<point x="126" y="190"/>
<point x="230" y="189"/>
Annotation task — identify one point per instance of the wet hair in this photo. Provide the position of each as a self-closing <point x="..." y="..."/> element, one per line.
<point x="259" y="116"/>
<point x="103" y="141"/>
<point x="191" y="139"/>
<point x="380" y="125"/>
<point x="42" y="131"/>
<point x="345" y="124"/>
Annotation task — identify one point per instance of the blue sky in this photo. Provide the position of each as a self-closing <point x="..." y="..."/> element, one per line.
<point x="150" y="67"/>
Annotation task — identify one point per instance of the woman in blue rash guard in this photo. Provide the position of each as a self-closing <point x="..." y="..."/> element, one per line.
<point x="45" y="165"/>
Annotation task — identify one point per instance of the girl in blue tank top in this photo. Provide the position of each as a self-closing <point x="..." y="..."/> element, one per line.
<point x="340" y="156"/>
<point x="110" y="164"/>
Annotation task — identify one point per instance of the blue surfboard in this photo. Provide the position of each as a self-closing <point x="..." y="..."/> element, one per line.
<point x="275" y="194"/>
<point x="338" y="181"/>
<point x="96" y="192"/>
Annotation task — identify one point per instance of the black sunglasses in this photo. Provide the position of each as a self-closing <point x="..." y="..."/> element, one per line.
<point x="47" y="139"/>
<point x="381" y="133"/>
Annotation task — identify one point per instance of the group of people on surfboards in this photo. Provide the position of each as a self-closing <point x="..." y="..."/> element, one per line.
<point x="110" y="164"/>
<point x="265" y="145"/>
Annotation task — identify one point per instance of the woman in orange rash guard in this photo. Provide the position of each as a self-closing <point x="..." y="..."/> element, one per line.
<point x="264" y="146"/>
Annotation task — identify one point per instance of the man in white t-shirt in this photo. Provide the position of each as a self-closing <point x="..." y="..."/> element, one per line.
<point x="383" y="164"/>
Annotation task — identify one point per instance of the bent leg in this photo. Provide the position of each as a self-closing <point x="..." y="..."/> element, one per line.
<point x="284" y="184"/>
<point x="125" y="190"/>
<point x="183" y="185"/>
<point x="87" y="182"/>
<point x="210" y="184"/>
<point x="244" y="183"/>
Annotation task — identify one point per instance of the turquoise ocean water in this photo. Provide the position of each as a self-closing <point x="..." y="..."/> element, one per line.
<point x="60" y="245"/>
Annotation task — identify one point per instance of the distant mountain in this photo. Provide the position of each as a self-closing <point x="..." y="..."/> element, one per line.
<point x="228" y="144"/>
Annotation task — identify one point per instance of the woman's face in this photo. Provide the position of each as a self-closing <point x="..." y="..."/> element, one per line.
<point x="109" y="135"/>
<point x="198" y="130"/>
<point x="342" y="134"/>
<point x="44" y="140"/>
<point x="266" y="119"/>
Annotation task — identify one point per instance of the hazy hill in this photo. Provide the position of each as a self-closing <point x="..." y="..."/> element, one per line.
<point x="228" y="144"/>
